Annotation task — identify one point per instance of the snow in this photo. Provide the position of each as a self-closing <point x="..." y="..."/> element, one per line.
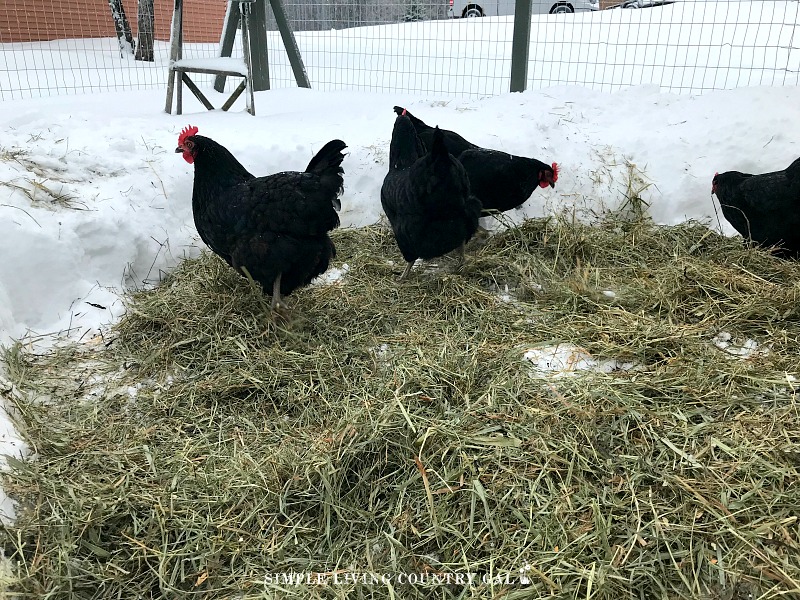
<point x="94" y="200"/>
<point x="563" y="360"/>
<point x="332" y="276"/>
<point x="220" y="63"/>
<point x="10" y="445"/>
<point x="735" y="348"/>
<point x="685" y="47"/>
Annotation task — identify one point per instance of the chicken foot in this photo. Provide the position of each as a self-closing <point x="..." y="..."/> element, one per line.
<point x="407" y="271"/>
<point x="460" y="256"/>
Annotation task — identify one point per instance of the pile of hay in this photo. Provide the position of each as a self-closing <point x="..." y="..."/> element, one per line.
<point x="430" y="427"/>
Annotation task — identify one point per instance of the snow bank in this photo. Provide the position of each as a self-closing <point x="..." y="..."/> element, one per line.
<point x="118" y="209"/>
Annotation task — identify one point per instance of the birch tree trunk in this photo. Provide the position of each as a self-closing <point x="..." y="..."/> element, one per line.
<point x="147" y="25"/>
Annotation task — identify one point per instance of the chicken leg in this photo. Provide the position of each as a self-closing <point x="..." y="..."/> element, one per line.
<point x="277" y="301"/>
<point x="482" y="232"/>
<point x="407" y="271"/>
<point x="460" y="257"/>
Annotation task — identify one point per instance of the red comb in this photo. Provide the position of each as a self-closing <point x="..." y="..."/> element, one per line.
<point x="186" y="133"/>
<point x="715" y="174"/>
<point x="555" y="172"/>
<point x="403" y="114"/>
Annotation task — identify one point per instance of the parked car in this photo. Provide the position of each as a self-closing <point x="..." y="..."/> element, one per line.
<point x="642" y="3"/>
<point x="496" y="8"/>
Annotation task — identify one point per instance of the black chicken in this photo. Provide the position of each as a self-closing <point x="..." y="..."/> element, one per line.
<point x="503" y="181"/>
<point x="426" y="196"/>
<point x="274" y="228"/>
<point x="454" y="143"/>
<point x="763" y="208"/>
<point x="500" y="180"/>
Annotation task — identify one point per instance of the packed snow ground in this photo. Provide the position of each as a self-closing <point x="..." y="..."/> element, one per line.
<point x="93" y="198"/>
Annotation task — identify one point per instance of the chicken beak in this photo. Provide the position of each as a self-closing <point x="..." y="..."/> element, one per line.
<point x="178" y="150"/>
<point x="552" y="184"/>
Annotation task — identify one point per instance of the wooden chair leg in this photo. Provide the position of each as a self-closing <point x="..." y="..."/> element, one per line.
<point x="196" y="91"/>
<point x="235" y="95"/>
<point x="229" y="34"/>
<point x="170" y="90"/>
<point x="250" y="99"/>
<point x="180" y="94"/>
<point x="245" y="25"/>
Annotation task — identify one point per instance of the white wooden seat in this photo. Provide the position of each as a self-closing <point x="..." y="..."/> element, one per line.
<point x="179" y="67"/>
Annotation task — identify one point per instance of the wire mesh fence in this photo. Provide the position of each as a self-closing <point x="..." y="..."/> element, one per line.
<point x="55" y="47"/>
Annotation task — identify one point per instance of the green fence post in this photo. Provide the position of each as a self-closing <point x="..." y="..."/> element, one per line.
<point x="258" y="45"/>
<point x="520" y="45"/>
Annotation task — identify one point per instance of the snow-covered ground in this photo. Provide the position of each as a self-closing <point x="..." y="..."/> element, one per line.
<point x="684" y="47"/>
<point x="94" y="199"/>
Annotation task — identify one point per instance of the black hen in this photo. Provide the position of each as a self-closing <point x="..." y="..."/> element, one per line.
<point x="763" y="208"/>
<point x="276" y="227"/>
<point x="454" y="143"/>
<point x="426" y="196"/>
<point x="503" y="181"/>
<point x="500" y="180"/>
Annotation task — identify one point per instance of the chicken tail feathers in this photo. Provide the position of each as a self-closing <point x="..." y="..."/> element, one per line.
<point x="327" y="163"/>
<point x="330" y="156"/>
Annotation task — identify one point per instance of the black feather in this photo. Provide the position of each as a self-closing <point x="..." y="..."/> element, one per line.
<point x="273" y="225"/>
<point x="455" y="143"/>
<point x="501" y="181"/>
<point x="763" y="208"/>
<point x="426" y="195"/>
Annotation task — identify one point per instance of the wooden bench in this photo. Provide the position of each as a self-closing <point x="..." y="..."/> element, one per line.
<point x="179" y="67"/>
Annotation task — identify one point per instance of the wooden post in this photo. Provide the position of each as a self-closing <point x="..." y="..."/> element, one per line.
<point x="229" y="26"/>
<point x="258" y="45"/>
<point x="246" y="14"/>
<point x="257" y="30"/>
<point x="520" y="45"/>
<point x="252" y="15"/>
<point x="175" y="46"/>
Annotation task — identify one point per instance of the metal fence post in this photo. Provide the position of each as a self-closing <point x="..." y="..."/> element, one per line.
<point x="520" y="45"/>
